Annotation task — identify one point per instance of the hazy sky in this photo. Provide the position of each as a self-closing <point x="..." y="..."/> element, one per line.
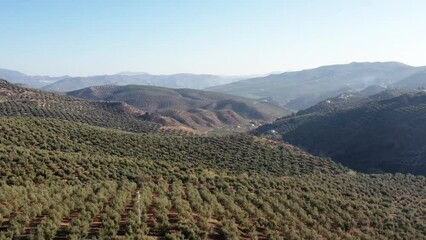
<point x="87" y="37"/>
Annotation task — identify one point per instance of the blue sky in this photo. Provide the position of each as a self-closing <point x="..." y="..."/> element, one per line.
<point x="232" y="37"/>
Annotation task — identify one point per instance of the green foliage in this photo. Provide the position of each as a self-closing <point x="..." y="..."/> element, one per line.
<point x="63" y="179"/>
<point x="19" y="101"/>
<point x="230" y="230"/>
<point x="51" y="149"/>
<point x="380" y="134"/>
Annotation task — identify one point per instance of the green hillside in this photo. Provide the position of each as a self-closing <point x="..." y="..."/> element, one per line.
<point x="351" y="100"/>
<point x="380" y="134"/>
<point x="21" y="101"/>
<point x="91" y="169"/>
<point x="60" y="180"/>
<point x="188" y="107"/>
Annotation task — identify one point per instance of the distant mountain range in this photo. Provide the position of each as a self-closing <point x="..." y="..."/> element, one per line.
<point x="295" y="90"/>
<point x="182" y="80"/>
<point x="380" y="133"/>
<point x="67" y="83"/>
<point x="31" y="81"/>
<point x="302" y="89"/>
<point x="187" y="107"/>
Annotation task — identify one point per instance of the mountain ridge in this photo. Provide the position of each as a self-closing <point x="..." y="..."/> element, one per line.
<point x="22" y="101"/>
<point x="307" y="87"/>
<point x="30" y="80"/>
<point x="193" y="108"/>
<point x="179" y="80"/>
<point x="382" y="133"/>
<point x="414" y="81"/>
<point x="68" y="83"/>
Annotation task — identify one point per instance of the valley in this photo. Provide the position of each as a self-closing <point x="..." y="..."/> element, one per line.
<point x="212" y="120"/>
<point x="196" y="109"/>
<point x="149" y="162"/>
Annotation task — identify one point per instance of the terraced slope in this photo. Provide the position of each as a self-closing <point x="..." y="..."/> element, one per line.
<point x="61" y="180"/>
<point x="372" y="136"/>
<point x="188" y="107"/>
<point x="21" y="101"/>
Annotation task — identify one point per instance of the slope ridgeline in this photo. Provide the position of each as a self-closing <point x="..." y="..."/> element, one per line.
<point x="383" y="133"/>
<point x="188" y="107"/>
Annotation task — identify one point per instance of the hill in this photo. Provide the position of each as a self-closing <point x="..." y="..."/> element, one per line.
<point x="417" y="80"/>
<point x="383" y="133"/>
<point x="181" y="80"/>
<point x="353" y="99"/>
<point x="302" y="89"/>
<point x="61" y="180"/>
<point x="32" y="81"/>
<point x="69" y="171"/>
<point x="188" y="107"/>
<point x="21" y="101"/>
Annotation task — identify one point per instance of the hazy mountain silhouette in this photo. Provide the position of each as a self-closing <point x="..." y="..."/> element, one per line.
<point x="182" y="80"/>
<point x="417" y="80"/>
<point x="32" y="81"/>
<point x="301" y="89"/>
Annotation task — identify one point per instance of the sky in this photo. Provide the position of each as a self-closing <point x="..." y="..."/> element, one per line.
<point x="226" y="37"/>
